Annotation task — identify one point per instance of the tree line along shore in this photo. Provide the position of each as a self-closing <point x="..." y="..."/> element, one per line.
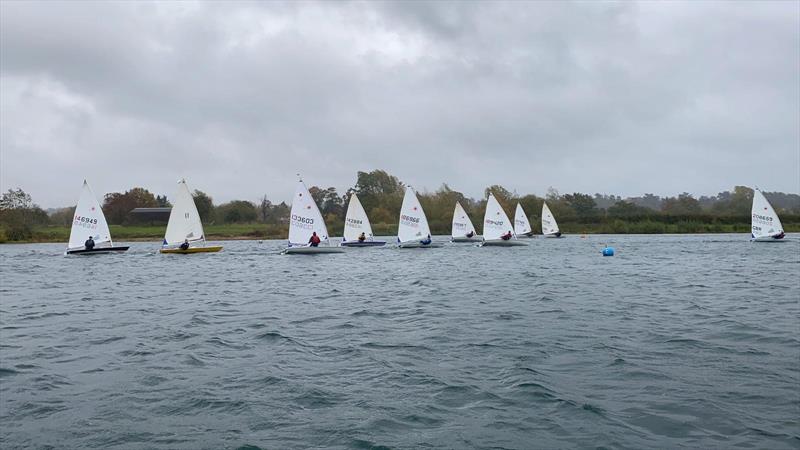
<point x="381" y="194"/>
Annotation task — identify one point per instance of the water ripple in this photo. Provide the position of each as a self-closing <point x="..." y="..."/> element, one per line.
<point x="678" y="342"/>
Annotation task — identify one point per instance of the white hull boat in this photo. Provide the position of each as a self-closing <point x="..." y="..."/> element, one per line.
<point x="311" y="250"/>
<point x="549" y="224"/>
<point x="357" y="223"/>
<point x="496" y="225"/>
<point x="766" y="225"/>
<point x="413" y="230"/>
<point x="305" y="221"/>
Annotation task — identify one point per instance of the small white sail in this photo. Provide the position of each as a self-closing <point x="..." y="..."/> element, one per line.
<point x="765" y="222"/>
<point x="88" y="221"/>
<point x="549" y="225"/>
<point x="413" y="223"/>
<point x="462" y="225"/>
<point x="521" y="223"/>
<point x="305" y="218"/>
<point x="495" y="221"/>
<point x="184" y="220"/>
<point x="356" y="221"/>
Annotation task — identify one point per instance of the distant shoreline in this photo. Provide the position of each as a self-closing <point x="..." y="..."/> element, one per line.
<point x="216" y="238"/>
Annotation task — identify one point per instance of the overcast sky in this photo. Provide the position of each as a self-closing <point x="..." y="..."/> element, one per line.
<point x="621" y="98"/>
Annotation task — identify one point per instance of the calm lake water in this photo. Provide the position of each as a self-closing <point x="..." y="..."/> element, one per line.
<point x="678" y="341"/>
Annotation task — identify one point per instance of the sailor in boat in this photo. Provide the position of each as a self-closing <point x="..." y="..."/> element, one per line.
<point x="470" y="234"/>
<point x="506" y="236"/>
<point x="89" y="244"/>
<point x="362" y="237"/>
<point x="314" y="240"/>
<point x="426" y="241"/>
<point x="185" y="245"/>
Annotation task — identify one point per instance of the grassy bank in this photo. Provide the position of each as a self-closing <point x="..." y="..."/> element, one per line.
<point x="262" y="231"/>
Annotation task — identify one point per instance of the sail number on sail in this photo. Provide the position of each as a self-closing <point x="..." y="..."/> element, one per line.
<point x="85" y="222"/>
<point x="410" y="221"/>
<point x="764" y="219"/>
<point x="302" y="222"/>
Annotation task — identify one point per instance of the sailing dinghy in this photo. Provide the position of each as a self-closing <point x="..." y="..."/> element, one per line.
<point x="766" y="226"/>
<point x="463" y="230"/>
<point x="185" y="225"/>
<point x="413" y="230"/>
<point x="522" y="226"/>
<point x="305" y="220"/>
<point x="496" y="224"/>
<point x="89" y="221"/>
<point x="549" y="225"/>
<point x="356" y="223"/>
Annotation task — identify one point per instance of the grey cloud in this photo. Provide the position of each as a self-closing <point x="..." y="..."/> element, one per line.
<point x="621" y="98"/>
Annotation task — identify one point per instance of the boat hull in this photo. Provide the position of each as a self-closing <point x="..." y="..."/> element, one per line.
<point x="417" y="244"/>
<point x="363" y="244"/>
<point x="554" y="236"/>
<point x="768" y="239"/>
<point x="526" y="235"/>
<point x="465" y="239"/>
<point x="502" y="243"/>
<point x="97" y="251"/>
<point x="190" y="250"/>
<point x="311" y="250"/>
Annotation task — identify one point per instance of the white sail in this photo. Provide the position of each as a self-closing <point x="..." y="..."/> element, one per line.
<point x="184" y="220"/>
<point x="765" y="222"/>
<point x="413" y="223"/>
<point x="495" y="220"/>
<point x="549" y="225"/>
<point x="521" y="223"/>
<point x="88" y="221"/>
<point x="461" y="223"/>
<point x="356" y="221"/>
<point x="305" y="218"/>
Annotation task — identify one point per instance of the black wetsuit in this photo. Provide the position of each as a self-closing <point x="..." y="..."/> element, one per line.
<point x="89" y="244"/>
